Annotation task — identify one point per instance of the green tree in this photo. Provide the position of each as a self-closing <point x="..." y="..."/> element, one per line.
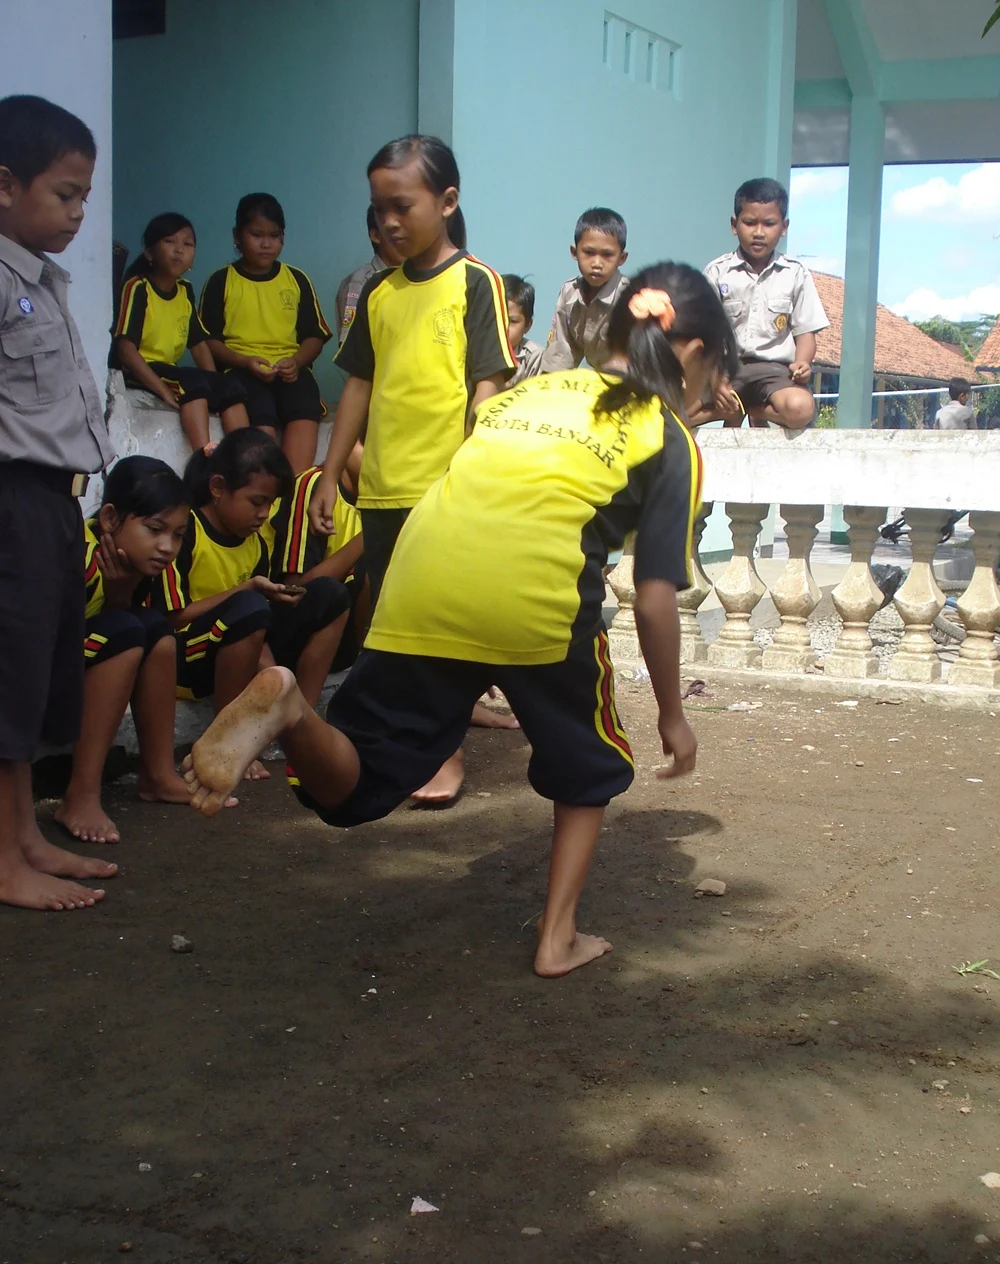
<point x="968" y="334"/>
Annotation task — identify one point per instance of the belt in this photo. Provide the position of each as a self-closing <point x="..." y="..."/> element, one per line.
<point x="66" y="482"/>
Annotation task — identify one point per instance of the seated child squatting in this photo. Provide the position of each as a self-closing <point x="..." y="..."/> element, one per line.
<point x="128" y="648"/>
<point x="513" y="515"/>
<point x="228" y="616"/>
<point x="158" y="321"/>
<point x="772" y="303"/>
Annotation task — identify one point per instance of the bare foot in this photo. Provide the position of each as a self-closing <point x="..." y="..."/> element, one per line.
<point x="484" y="718"/>
<point x="553" y="960"/>
<point x="25" y="887"/>
<point x="256" y="772"/>
<point x="84" y="818"/>
<point x="442" y="789"/>
<point x="172" y="789"/>
<point x="45" y="857"/>
<point x="237" y="735"/>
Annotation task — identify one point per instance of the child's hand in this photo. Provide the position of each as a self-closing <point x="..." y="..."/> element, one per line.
<point x="287" y="369"/>
<point x="261" y="368"/>
<point x="727" y="401"/>
<point x="117" y="574"/>
<point x="801" y="371"/>
<point x="678" y="740"/>
<point x="321" y="505"/>
<point x="170" y="396"/>
<point x="275" y="592"/>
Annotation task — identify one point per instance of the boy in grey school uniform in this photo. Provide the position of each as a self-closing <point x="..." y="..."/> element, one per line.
<point x="580" y="324"/>
<point x="775" y="311"/>
<point x="520" y="295"/>
<point x="958" y="413"/>
<point x="52" y="435"/>
<point x="350" y="288"/>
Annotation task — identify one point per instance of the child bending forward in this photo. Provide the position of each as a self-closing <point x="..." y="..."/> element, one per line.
<point x="557" y="471"/>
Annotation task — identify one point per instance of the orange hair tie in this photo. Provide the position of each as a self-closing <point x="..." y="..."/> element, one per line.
<point x="653" y="305"/>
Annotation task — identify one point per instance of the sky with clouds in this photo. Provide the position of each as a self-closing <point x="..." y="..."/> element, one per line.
<point x="940" y="252"/>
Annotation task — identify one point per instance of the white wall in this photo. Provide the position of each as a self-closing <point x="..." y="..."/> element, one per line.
<point x="61" y="49"/>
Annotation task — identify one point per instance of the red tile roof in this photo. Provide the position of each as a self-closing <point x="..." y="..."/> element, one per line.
<point x="988" y="355"/>
<point x="901" y="349"/>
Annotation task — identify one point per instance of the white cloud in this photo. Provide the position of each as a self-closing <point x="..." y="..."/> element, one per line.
<point x="974" y="196"/>
<point x="817" y="181"/>
<point x="924" y="303"/>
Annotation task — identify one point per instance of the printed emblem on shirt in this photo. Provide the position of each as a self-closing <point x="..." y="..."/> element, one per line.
<point x="724" y="289"/>
<point x="349" y="314"/>
<point x="780" y="322"/>
<point x="25" y="305"/>
<point x="287" y="299"/>
<point x="444" y="326"/>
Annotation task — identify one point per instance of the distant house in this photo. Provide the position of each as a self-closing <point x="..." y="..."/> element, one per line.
<point x="988" y="355"/>
<point x="905" y="359"/>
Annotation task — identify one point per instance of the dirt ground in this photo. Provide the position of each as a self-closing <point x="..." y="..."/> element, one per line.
<point x="793" y="1072"/>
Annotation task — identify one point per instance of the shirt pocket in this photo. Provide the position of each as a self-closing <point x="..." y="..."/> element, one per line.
<point x="37" y="365"/>
<point x="779" y="314"/>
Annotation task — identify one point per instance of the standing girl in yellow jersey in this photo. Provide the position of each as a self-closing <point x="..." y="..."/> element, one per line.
<point x="265" y="324"/>
<point x="427" y="346"/>
<point x="498" y="577"/>
<point x="158" y="321"/>
<point x="128" y="649"/>
<point x="228" y="615"/>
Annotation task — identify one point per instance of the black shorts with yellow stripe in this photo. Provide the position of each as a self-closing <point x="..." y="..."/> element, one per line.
<point x="288" y="628"/>
<point x="276" y="403"/>
<point x="111" y="632"/>
<point x="407" y="714"/>
<point x="221" y="390"/>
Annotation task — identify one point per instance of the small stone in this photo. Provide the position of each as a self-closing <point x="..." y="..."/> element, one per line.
<point x="528" y="1232"/>
<point x="965" y="1110"/>
<point x="592" y="1193"/>
<point x="704" y="1090"/>
<point x="912" y="1061"/>
<point x="695" y="1246"/>
<point x="832" y="1023"/>
<point x="991" y="1180"/>
<point x="940" y="1085"/>
<point x="808" y="748"/>
<point x="145" y="1167"/>
<point x="801" y="1015"/>
<point x="181" y="943"/>
<point x="127" y="1246"/>
<point x="709" y="886"/>
<point x="859" y="763"/>
<point x="909" y="871"/>
<point x="981" y="1239"/>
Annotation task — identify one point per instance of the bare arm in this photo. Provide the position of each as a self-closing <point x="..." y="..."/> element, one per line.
<point x="179" y="619"/>
<point x="485" y="390"/>
<point x="658" y="626"/>
<point x="202" y="356"/>
<point x="805" y="353"/>
<point x="338" y="565"/>
<point x="352" y="412"/>
<point x="136" y="367"/>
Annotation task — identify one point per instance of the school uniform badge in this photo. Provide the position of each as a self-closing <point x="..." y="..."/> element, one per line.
<point x="724" y="288"/>
<point x="780" y="322"/>
<point x="25" y="305"/>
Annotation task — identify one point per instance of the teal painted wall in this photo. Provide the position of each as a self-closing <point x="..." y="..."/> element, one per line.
<point x="240" y="95"/>
<point x="546" y="129"/>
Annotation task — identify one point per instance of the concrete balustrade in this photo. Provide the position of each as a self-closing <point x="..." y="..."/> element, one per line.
<point x="931" y="474"/>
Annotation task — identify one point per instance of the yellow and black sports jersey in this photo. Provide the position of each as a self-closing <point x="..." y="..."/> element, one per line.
<point x="424" y="339"/>
<point x="208" y="564"/>
<point x="502" y="561"/>
<point x="294" y="548"/>
<point x="95" y="580"/>
<point x="269" y="316"/>
<point x="162" y="326"/>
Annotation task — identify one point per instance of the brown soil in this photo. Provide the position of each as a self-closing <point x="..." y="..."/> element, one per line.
<point x="357" y="1023"/>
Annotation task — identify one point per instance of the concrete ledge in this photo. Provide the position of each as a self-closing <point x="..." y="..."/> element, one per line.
<point x="916" y="468"/>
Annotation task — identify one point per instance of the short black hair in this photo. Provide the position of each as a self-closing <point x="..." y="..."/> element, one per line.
<point x="959" y="386"/>
<point x="371" y="221"/>
<point x="143" y="486"/>
<point x="521" y="292"/>
<point x="762" y="189"/>
<point x="264" y="205"/>
<point x="35" y="133"/>
<point x="239" y="456"/>
<point x="601" y="219"/>
<point x="437" y="167"/>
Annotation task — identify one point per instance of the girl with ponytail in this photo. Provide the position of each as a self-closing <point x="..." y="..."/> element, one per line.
<point x="497" y="578"/>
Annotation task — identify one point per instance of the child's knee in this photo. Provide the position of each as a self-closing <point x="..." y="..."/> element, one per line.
<point x="325" y="600"/>
<point x="795" y="406"/>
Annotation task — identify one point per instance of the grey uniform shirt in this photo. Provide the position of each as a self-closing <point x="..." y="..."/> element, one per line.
<point x="528" y="357"/>
<point x="580" y="329"/>
<point x="956" y="416"/>
<point x="50" y="408"/>
<point x="350" y="291"/>
<point x="770" y="309"/>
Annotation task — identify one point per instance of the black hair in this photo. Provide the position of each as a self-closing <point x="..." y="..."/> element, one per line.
<point x="252" y="205"/>
<point x="35" y="133"/>
<point x="601" y="219"/>
<point x="763" y="190"/>
<point x="521" y="292"/>
<point x="371" y="221"/>
<point x="142" y="486"/>
<point x="653" y="368"/>
<point x="241" y="454"/>
<point x="159" y="226"/>
<point x="437" y="166"/>
<point x="958" y="386"/>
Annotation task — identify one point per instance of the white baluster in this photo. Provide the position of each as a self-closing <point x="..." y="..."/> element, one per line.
<point x="623" y="638"/>
<point x="856" y="598"/>
<point x="693" y="646"/>
<point x="920" y="600"/>
<point x="979" y="607"/>
<point x="739" y="589"/>
<point x="796" y="594"/>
